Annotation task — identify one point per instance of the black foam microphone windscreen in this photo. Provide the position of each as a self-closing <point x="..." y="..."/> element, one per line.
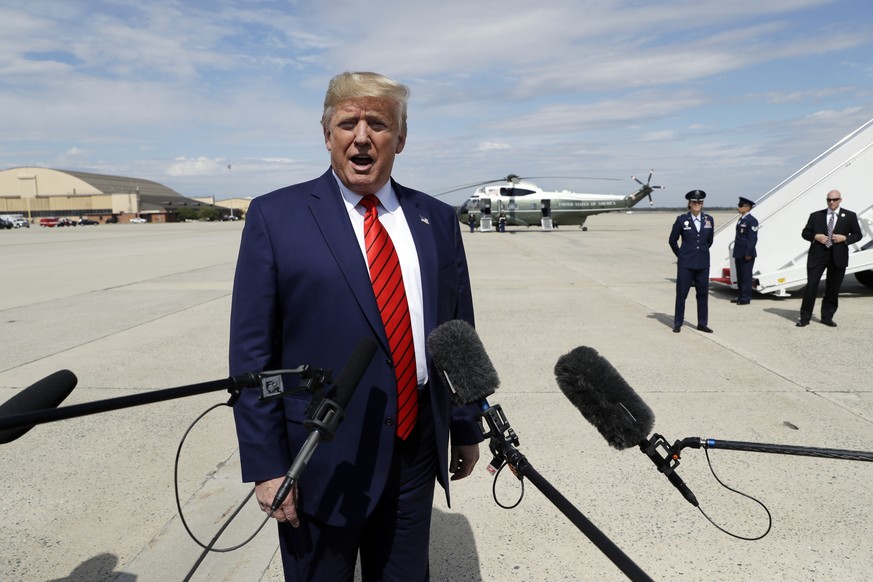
<point x="603" y="397"/>
<point x="460" y="357"/>
<point x="46" y="393"/>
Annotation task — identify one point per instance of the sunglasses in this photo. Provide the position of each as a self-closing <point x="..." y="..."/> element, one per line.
<point x="833" y="199"/>
<point x="697" y="201"/>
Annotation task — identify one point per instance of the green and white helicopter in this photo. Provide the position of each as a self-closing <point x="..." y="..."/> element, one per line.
<point x="517" y="201"/>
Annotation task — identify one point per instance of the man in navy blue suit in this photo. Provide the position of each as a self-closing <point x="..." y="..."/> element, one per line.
<point x="695" y="229"/>
<point x="303" y="295"/>
<point x="744" y="254"/>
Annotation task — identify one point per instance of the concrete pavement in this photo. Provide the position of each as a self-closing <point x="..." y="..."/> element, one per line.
<point x="135" y="308"/>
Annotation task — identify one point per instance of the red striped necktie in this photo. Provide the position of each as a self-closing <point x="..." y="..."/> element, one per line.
<point x="391" y="298"/>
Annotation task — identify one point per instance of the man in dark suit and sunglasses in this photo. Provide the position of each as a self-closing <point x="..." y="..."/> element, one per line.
<point x="829" y="232"/>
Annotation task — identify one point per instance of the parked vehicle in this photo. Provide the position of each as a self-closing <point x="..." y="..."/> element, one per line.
<point x="112" y="220"/>
<point x="87" y="221"/>
<point x="48" y="222"/>
<point x="138" y="219"/>
<point x="66" y="222"/>
<point x="13" y="220"/>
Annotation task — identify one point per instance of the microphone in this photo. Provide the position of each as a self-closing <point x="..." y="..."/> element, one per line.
<point x="46" y="393"/>
<point x="603" y="397"/>
<point x="608" y="402"/>
<point x="328" y="415"/>
<point x="460" y="357"/>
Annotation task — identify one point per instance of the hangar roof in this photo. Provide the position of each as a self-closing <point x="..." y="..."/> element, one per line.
<point x="153" y="196"/>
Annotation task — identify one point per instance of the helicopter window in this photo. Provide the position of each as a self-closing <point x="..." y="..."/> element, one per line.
<point x="516" y="191"/>
<point x="470" y="204"/>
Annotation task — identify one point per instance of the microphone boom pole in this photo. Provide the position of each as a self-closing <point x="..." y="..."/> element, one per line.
<point x="28" y="419"/>
<point x="502" y="445"/>
<point x="709" y="443"/>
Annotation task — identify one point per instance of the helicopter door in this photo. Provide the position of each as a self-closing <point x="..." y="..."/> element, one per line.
<point x="546" y="212"/>
<point x="485" y="220"/>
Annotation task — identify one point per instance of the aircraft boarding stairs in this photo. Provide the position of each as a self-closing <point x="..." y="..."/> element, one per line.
<point x="782" y="213"/>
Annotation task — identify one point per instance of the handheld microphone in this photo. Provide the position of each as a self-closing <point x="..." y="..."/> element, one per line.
<point x="329" y="414"/>
<point x="46" y="393"/>
<point x="608" y="402"/>
<point x="460" y="357"/>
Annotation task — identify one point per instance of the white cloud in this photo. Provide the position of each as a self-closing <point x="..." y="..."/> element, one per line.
<point x="178" y="91"/>
<point x="201" y="166"/>
<point x="490" y="146"/>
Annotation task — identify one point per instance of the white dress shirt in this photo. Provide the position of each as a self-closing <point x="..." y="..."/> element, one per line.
<point x="393" y="220"/>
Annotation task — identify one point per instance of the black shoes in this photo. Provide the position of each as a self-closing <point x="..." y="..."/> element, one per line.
<point x="735" y="300"/>
<point x="677" y="329"/>
<point x="743" y="302"/>
<point x="704" y="329"/>
<point x="827" y="322"/>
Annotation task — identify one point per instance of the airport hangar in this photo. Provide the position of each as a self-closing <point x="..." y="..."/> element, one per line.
<point x="43" y="192"/>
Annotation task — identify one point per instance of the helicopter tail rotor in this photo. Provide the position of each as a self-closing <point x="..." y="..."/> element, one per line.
<point x="647" y="187"/>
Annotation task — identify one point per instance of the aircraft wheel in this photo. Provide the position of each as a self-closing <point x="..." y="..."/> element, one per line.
<point x="865" y="277"/>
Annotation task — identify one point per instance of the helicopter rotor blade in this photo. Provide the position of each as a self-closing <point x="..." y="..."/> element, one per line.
<point x="515" y="179"/>
<point x="648" y="183"/>
<point x="570" y="178"/>
<point x="475" y="185"/>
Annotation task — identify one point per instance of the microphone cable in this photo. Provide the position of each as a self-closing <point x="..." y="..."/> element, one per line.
<point x="210" y="547"/>
<point x="497" y="471"/>
<point x="720" y="482"/>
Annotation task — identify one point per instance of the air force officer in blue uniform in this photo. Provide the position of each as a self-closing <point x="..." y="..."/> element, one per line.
<point x="744" y="254"/>
<point x="695" y="229"/>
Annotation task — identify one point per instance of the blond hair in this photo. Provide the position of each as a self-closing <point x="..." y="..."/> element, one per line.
<point x="357" y="85"/>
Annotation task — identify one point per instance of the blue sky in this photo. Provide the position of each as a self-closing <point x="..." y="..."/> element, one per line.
<point x="223" y="98"/>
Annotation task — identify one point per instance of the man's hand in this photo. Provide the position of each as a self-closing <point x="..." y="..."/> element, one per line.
<point x="265" y="491"/>
<point x="838" y="238"/>
<point x="462" y="459"/>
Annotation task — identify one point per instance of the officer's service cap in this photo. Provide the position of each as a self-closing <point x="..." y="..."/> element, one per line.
<point x="745" y="202"/>
<point x="695" y="195"/>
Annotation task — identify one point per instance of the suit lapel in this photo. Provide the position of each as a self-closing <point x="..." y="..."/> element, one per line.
<point x="329" y="212"/>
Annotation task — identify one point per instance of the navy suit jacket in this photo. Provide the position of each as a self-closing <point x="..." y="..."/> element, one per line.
<point x="302" y="295"/>
<point x="693" y="253"/>
<point x="846" y="225"/>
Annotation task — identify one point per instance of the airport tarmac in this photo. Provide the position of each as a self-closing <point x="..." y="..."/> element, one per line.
<point x="142" y="307"/>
